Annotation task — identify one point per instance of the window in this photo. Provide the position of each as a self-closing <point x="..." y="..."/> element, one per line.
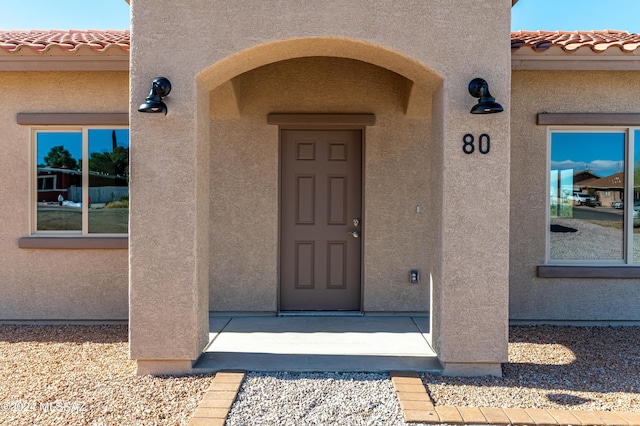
<point x="591" y="177"/>
<point x="46" y="182"/>
<point x="81" y="180"/>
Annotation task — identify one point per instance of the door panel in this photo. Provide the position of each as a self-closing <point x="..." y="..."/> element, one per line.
<point x="321" y="196"/>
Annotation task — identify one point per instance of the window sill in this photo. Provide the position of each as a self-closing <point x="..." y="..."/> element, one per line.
<point x="562" y="271"/>
<point x="76" y="242"/>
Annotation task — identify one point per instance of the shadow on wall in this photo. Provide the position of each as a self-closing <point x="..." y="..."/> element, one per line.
<point x="564" y="359"/>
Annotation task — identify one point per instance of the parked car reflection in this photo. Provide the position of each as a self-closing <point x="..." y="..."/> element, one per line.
<point x="582" y="199"/>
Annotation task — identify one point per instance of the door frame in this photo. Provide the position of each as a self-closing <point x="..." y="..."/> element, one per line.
<point x="323" y="122"/>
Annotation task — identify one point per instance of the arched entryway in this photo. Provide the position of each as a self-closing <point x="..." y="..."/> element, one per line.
<point x="223" y="250"/>
<point x="254" y="265"/>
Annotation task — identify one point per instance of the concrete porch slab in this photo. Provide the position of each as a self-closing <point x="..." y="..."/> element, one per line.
<point x="318" y="343"/>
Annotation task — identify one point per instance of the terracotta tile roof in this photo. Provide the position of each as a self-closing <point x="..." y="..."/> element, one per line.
<point x="66" y="41"/>
<point x="571" y="41"/>
<point x="39" y="41"/>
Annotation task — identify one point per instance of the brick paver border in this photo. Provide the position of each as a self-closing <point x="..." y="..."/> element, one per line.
<point x="410" y="389"/>
<point x="217" y="402"/>
<point x="417" y="407"/>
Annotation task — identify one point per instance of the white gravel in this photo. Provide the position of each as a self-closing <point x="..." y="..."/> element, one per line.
<point x="79" y="375"/>
<point x="316" y="399"/>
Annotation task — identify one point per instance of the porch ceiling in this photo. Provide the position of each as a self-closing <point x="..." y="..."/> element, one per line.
<point x="423" y="79"/>
<point x="324" y="84"/>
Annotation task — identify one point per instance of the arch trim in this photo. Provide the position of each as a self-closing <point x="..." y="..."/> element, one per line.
<point x="281" y="50"/>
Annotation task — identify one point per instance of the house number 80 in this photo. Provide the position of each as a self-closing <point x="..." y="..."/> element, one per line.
<point x="468" y="144"/>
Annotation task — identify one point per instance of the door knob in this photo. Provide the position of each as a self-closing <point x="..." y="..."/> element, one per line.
<point x="354" y="234"/>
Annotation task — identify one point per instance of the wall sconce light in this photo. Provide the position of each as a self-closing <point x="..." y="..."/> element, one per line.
<point x="479" y="88"/>
<point x="160" y="88"/>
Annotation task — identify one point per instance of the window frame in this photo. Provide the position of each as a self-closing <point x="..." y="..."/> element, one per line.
<point x="585" y="267"/>
<point x="83" y="129"/>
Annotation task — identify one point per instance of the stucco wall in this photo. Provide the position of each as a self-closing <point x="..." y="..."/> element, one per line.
<point x="533" y="298"/>
<point x="38" y="284"/>
<point x="244" y="215"/>
<point x="244" y="185"/>
<point x="439" y="45"/>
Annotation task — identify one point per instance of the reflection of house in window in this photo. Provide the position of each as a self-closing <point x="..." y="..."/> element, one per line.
<point x="608" y="189"/>
<point x="46" y="182"/>
<point x="59" y="181"/>
<point x="581" y="178"/>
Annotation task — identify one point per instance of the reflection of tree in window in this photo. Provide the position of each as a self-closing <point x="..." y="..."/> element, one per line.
<point x="59" y="157"/>
<point x="108" y="180"/>
<point x="60" y="171"/>
<point x="115" y="162"/>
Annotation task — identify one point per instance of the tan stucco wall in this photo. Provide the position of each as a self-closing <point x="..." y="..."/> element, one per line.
<point x="533" y="298"/>
<point x="53" y="284"/>
<point x="244" y="185"/>
<point x="244" y="216"/>
<point x="440" y="45"/>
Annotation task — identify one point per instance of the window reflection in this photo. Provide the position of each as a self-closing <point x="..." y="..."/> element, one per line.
<point x="65" y="159"/>
<point x="587" y="195"/>
<point x="108" y="181"/>
<point x="636" y="194"/>
<point x="59" y="181"/>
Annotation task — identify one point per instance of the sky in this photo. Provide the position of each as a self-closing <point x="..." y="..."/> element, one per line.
<point x="569" y="15"/>
<point x="64" y="15"/>
<point x="572" y="15"/>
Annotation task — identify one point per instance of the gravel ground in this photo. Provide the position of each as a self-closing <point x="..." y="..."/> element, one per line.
<point x="81" y="375"/>
<point x="68" y="375"/>
<point x="584" y="368"/>
<point x="316" y="399"/>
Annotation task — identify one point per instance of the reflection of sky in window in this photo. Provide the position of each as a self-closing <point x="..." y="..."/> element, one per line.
<point x="104" y="140"/>
<point x="601" y="153"/>
<point x="100" y="140"/>
<point x="636" y="147"/>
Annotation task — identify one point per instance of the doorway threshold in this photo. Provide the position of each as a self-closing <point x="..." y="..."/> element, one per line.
<point x="320" y="314"/>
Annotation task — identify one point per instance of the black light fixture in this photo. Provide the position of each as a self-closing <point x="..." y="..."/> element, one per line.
<point x="479" y="88"/>
<point x="160" y="88"/>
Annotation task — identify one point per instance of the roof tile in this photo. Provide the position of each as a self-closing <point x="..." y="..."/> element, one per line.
<point x="571" y="41"/>
<point x="66" y="40"/>
<point x="70" y="41"/>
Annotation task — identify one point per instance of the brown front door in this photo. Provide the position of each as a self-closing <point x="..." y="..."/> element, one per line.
<point x="321" y="208"/>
